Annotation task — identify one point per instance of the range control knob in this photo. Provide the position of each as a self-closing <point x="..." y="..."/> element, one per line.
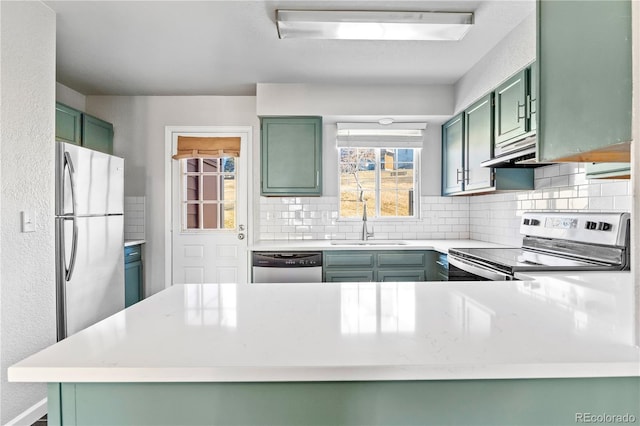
<point x="535" y="222"/>
<point x="526" y="222"/>
<point x="604" y="226"/>
<point x="590" y="225"/>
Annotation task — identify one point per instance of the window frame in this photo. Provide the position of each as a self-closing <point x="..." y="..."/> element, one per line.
<point x="378" y="179"/>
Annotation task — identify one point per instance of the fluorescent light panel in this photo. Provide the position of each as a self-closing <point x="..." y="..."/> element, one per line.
<point x="373" y="25"/>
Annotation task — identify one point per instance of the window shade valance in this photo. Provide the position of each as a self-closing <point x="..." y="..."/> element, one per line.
<point x="207" y="147"/>
<point x="373" y="135"/>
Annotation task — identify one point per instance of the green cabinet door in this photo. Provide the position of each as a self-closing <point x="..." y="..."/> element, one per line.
<point x="532" y="103"/>
<point x="401" y="275"/>
<point x="291" y="156"/>
<point x="68" y="124"/>
<point x="511" y="109"/>
<point x="478" y="123"/>
<point x="608" y="170"/>
<point x="452" y="154"/>
<point x="348" y="276"/>
<point x="380" y="265"/>
<point x="133" y="275"/>
<point x="585" y="80"/>
<point x="132" y="283"/>
<point x="97" y="134"/>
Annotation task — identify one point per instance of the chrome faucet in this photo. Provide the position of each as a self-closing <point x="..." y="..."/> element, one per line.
<point x="365" y="232"/>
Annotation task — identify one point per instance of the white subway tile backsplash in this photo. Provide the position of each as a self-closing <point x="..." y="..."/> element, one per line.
<point x="134" y="210"/>
<point x="492" y="217"/>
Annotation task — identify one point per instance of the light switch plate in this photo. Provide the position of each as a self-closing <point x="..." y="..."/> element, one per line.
<point x="28" y="221"/>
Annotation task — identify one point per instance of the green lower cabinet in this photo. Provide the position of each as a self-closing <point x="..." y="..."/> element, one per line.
<point x="422" y="402"/>
<point x="337" y="276"/>
<point x="401" y="275"/>
<point x="133" y="275"/>
<point x="380" y="265"/>
<point x="608" y="170"/>
<point x="442" y="268"/>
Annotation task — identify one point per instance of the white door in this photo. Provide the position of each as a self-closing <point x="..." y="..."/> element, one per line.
<point x="209" y="217"/>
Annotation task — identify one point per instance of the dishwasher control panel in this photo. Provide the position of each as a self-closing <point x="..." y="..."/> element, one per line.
<point x="269" y="259"/>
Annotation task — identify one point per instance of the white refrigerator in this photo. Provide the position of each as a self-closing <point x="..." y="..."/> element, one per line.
<point x="89" y="226"/>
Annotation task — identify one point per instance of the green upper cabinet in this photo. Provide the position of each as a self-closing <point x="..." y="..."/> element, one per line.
<point x="478" y="125"/>
<point x="585" y="80"/>
<point x="467" y="141"/>
<point x="452" y="155"/>
<point x="532" y="101"/>
<point x="97" y="134"/>
<point x="76" y="127"/>
<point x="68" y="124"/>
<point x="291" y="156"/>
<point x="608" y="170"/>
<point x="512" y="118"/>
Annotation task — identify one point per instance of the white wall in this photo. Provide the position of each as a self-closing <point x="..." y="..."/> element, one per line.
<point x="342" y="100"/>
<point x="70" y="97"/>
<point x="139" y="123"/>
<point x="27" y="271"/>
<point x="514" y="52"/>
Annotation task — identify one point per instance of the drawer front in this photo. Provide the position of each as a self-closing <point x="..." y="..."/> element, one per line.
<point x="402" y="275"/>
<point x="401" y="259"/>
<point x="348" y="276"/>
<point x="132" y="253"/>
<point x="349" y="259"/>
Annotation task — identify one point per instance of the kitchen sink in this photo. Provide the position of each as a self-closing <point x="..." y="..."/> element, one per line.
<point x="368" y="243"/>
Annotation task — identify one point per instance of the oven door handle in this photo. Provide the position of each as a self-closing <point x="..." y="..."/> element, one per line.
<point x="481" y="271"/>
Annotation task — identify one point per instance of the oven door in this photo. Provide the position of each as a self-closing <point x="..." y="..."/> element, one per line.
<point x="463" y="270"/>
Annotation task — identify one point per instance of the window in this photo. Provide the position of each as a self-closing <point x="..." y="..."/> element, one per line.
<point x="208" y="193"/>
<point x="383" y="178"/>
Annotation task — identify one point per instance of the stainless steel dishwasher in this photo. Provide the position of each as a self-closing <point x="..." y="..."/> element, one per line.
<point x="287" y="267"/>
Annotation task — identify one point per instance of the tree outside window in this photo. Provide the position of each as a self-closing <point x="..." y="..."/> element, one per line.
<point x="382" y="178"/>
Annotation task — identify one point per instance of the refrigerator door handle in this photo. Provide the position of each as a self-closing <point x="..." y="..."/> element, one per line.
<point x="69" y="163"/>
<point x="74" y="250"/>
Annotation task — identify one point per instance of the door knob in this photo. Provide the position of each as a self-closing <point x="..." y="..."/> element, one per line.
<point x="241" y="236"/>
<point x="241" y="227"/>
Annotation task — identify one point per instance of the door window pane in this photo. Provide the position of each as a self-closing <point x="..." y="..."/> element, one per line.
<point x="209" y="194"/>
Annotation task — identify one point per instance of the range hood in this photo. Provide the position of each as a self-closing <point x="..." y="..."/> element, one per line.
<point x="519" y="154"/>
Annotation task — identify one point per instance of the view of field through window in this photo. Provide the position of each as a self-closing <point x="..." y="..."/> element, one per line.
<point x="381" y="178"/>
<point x="209" y="195"/>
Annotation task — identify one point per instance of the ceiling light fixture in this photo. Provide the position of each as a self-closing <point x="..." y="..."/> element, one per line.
<point x="373" y="25"/>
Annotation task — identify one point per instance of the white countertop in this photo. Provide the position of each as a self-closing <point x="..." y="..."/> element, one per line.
<point x="128" y="243"/>
<point x="577" y="325"/>
<point x="305" y="245"/>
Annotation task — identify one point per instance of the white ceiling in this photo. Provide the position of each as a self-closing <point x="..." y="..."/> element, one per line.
<point x="226" y="47"/>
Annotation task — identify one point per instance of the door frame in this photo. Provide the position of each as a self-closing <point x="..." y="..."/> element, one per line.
<point x="245" y="131"/>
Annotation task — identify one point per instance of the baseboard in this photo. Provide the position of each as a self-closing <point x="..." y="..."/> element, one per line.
<point x="30" y="415"/>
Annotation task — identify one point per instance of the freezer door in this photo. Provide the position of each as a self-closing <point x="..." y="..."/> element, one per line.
<point x="90" y="271"/>
<point x="88" y="182"/>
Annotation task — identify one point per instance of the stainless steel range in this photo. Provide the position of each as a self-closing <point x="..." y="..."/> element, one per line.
<point x="558" y="241"/>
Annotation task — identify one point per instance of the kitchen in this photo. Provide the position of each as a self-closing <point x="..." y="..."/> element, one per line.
<point x="144" y="117"/>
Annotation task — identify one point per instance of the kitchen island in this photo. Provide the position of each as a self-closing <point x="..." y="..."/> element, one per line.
<point x="542" y="351"/>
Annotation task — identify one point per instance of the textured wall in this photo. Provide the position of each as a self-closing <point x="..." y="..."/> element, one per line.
<point x="27" y="270"/>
